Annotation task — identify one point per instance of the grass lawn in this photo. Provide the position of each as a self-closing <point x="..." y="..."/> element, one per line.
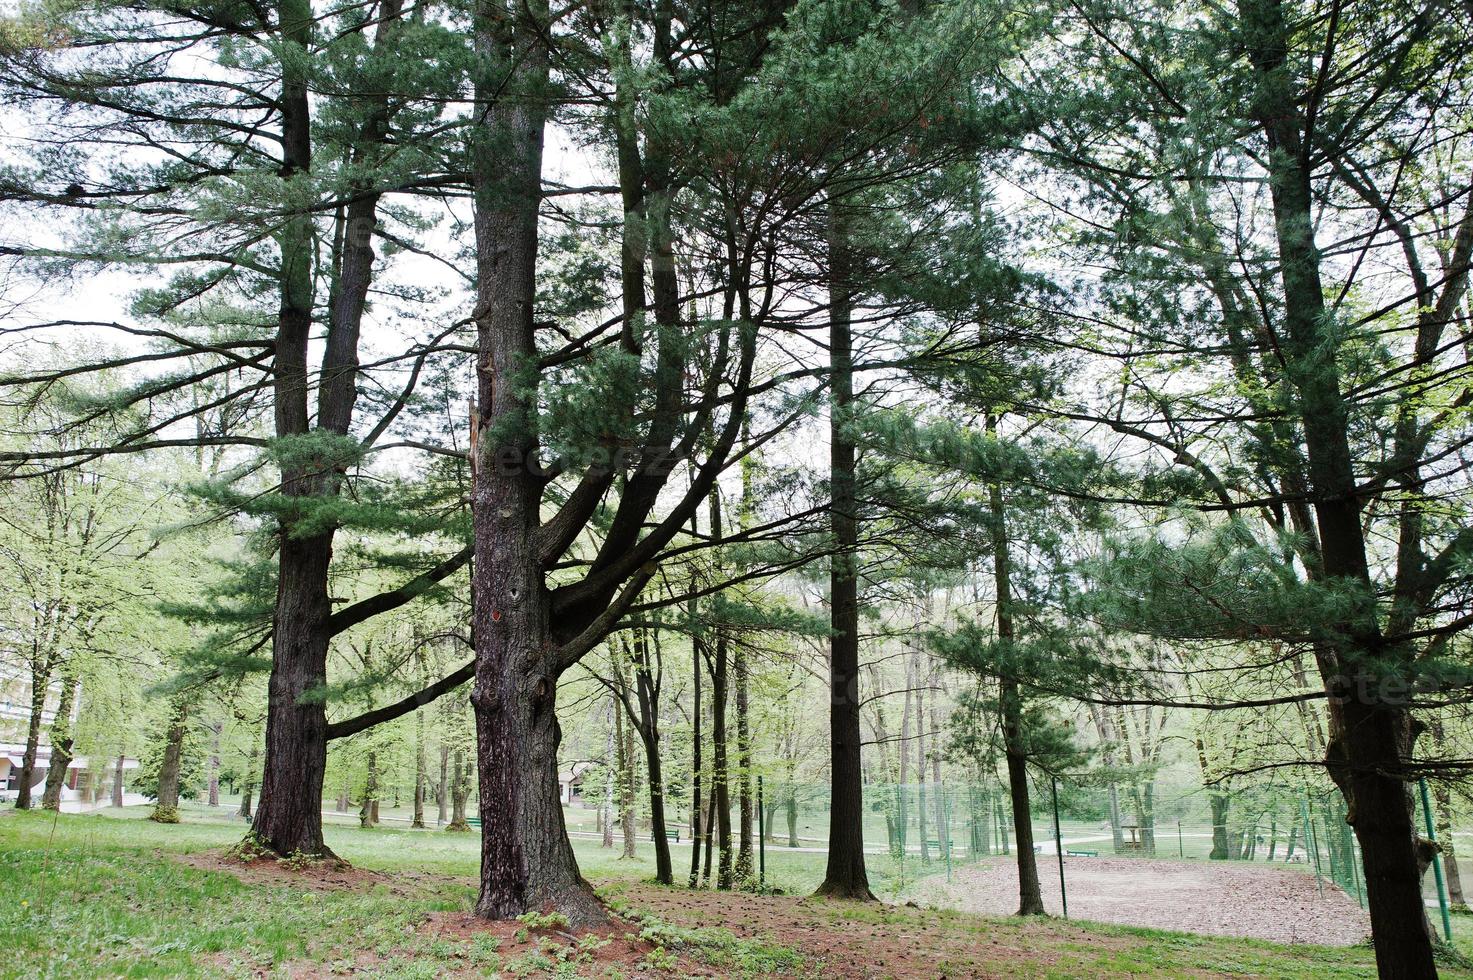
<point x="115" y="895"/>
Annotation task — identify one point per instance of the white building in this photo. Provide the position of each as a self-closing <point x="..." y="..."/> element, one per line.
<point x="77" y="791"/>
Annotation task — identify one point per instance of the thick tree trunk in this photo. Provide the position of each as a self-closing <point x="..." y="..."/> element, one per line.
<point x="845" y="875"/>
<point x="166" y="804"/>
<point x="61" y="744"/>
<point x="289" y="817"/>
<point x="1371" y="737"/>
<point x="1219" y="804"/>
<point x="527" y="862"/>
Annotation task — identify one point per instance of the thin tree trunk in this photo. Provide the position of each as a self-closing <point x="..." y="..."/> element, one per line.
<point x="1030" y="895"/>
<point x="442" y="792"/>
<point x="214" y="783"/>
<point x="460" y="789"/>
<point x="647" y="690"/>
<point x="368" y="812"/>
<point x="250" y="784"/>
<point x="611" y="784"/>
<point x="743" y="770"/>
<point x="696" y="825"/>
<point x="118" y="782"/>
<point x="166" y="805"/>
<point x="418" y="823"/>
<point x="624" y="753"/>
<point x="720" y="786"/>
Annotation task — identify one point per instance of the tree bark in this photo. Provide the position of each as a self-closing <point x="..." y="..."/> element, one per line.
<point x="368" y="811"/>
<point x="744" y="770"/>
<point x="1010" y="702"/>
<point x="214" y="783"/>
<point x="647" y="691"/>
<point x="40" y="682"/>
<point x="624" y="751"/>
<point x="61" y="744"/>
<point x="845" y="875"/>
<point x="249" y="786"/>
<point x="460" y="791"/>
<point x="418" y="822"/>
<point x="118" y="782"/>
<point x="696" y="825"/>
<point x="166" y="804"/>
<point x="1371" y="735"/>
<point x="442" y="792"/>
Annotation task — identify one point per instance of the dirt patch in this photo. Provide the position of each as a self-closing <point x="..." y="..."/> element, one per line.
<point x="1214" y="899"/>
<point x="272" y="871"/>
<point x="845" y="940"/>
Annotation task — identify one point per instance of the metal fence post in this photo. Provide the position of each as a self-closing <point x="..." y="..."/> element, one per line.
<point x="1447" y="922"/>
<point x="761" y="838"/>
<point x="1059" y="846"/>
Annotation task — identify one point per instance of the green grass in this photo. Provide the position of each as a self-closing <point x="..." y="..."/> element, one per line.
<point x="107" y="895"/>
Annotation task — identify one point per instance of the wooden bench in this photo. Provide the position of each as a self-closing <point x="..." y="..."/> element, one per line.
<point x="671" y="835"/>
<point x="1080" y="854"/>
<point x="473" y="821"/>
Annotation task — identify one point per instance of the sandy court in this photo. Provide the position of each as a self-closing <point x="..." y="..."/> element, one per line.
<point x="1219" y="899"/>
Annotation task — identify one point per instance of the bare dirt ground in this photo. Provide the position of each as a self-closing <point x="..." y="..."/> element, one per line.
<point x="1215" y="899"/>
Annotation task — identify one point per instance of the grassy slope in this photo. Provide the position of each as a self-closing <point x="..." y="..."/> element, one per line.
<point x="107" y="895"/>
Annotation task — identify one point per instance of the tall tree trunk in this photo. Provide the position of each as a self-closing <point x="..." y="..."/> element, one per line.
<point x="1371" y="736"/>
<point x="41" y="670"/>
<point x="527" y="861"/>
<point x="624" y="752"/>
<point x="249" y="786"/>
<point x="289" y="818"/>
<point x="696" y="826"/>
<point x="368" y="812"/>
<point x="611" y="783"/>
<point x="442" y="791"/>
<point x="118" y="781"/>
<point x="418" y="822"/>
<point x="166" y="805"/>
<point x="720" y="783"/>
<point x="460" y="791"/>
<point x="1010" y="701"/>
<point x="920" y="698"/>
<point x="743" y="770"/>
<point x="214" y="778"/>
<point x="1442" y="793"/>
<point x="845" y="875"/>
<point x="647" y="691"/>
<point x="61" y="744"/>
